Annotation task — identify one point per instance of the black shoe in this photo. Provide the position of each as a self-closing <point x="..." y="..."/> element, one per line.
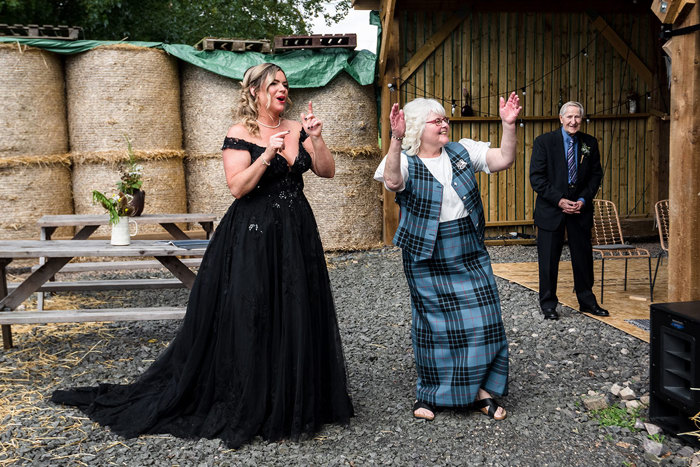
<point x="596" y="310"/>
<point x="550" y="313"/>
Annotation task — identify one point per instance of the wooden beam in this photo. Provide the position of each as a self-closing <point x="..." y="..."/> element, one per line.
<point x="388" y="98"/>
<point x="387" y="16"/>
<point x="669" y="11"/>
<point x="430" y="45"/>
<point x="684" y="165"/>
<point x="623" y="49"/>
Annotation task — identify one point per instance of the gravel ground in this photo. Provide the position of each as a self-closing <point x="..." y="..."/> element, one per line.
<point x="553" y="364"/>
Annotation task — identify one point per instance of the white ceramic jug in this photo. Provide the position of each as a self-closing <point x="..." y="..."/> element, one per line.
<point x="120" y="231"/>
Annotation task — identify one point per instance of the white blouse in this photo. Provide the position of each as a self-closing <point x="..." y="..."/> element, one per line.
<point x="441" y="168"/>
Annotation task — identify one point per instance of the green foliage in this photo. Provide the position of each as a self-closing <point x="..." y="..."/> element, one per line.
<point x="120" y="204"/>
<point x="658" y="437"/>
<point x="615" y="416"/>
<point x="131" y="178"/>
<point x="175" y="21"/>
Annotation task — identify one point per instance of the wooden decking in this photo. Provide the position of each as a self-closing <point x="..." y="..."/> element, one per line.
<point x="624" y="305"/>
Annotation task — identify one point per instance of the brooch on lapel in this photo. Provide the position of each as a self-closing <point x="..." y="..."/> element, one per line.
<point x="461" y="164"/>
<point x="585" y="151"/>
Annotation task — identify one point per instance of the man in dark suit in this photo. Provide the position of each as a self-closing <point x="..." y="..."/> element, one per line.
<point x="565" y="172"/>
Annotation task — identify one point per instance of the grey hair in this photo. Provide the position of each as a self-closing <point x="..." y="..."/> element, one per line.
<point x="562" y="111"/>
<point x="416" y="113"/>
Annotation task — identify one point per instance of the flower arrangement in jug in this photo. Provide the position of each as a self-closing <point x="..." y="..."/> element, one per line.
<point x="129" y="199"/>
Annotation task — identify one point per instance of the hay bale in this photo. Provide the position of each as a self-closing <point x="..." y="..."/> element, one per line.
<point x="207" y="190"/>
<point x="347" y="109"/>
<point x="208" y="104"/>
<point x="33" y="116"/>
<point x="163" y="182"/>
<point x="123" y="90"/>
<point x="31" y="187"/>
<point x="348" y="207"/>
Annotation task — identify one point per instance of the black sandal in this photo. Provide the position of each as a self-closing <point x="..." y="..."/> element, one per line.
<point x="488" y="407"/>
<point x="423" y="405"/>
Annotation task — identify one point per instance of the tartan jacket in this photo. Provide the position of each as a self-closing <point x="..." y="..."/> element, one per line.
<point x="421" y="200"/>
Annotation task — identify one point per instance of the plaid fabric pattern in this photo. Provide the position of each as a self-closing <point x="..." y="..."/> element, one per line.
<point x="458" y="337"/>
<point x="421" y="199"/>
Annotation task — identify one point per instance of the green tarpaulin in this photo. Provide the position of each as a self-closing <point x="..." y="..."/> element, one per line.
<point x="304" y="68"/>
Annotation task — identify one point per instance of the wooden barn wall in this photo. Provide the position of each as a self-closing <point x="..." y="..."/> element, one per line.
<point x="553" y="58"/>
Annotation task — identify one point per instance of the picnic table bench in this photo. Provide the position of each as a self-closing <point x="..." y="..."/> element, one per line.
<point x="87" y="224"/>
<point x="58" y="253"/>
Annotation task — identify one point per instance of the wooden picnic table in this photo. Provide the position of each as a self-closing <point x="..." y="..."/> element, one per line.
<point x="59" y="252"/>
<point x="89" y="223"/>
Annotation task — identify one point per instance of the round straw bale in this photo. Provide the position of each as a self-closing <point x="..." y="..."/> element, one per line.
<point x="208" y="104"/>
<point x="24" y="195"/>
<point x="207" y="190"/>
<point x="163" y="182"/>
<point x="347" y="207"/>
<point x="121" y="90"/>
<point x="33" y="116"/>
<point x="348" y="111"/>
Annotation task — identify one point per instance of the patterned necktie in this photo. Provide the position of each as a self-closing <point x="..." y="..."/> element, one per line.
<point x="571" y="160"/>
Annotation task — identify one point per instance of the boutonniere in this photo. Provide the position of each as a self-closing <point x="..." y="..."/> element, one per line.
<point x="461" y="164"/>
<point x="585" y="151"/>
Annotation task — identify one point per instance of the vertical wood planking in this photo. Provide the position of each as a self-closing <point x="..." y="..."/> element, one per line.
<point x="493" y="53"/>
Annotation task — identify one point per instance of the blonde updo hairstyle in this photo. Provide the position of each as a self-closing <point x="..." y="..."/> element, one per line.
<point x="258" y="78"/>
<point x="416" y="114"/>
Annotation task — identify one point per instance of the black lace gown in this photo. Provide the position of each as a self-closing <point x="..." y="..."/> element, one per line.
<point x="258" y="352"/>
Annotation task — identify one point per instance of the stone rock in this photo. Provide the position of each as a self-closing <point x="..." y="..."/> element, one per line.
<point x="644" y="399"/>
<point x="685" y="451"/>
<point x="652" y="447"/>
<point x="615" y="389"/>
<point x="633" y="405"/>
<point x="627" y="394"/>
<point x="638" y="424"/>
<point x="652" y="429"/>
<point x="596" y="402"/>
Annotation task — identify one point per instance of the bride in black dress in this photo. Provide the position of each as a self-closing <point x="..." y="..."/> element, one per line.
<point x="259" y="351"/>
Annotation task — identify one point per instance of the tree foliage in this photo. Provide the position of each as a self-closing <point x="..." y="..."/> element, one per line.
<point x="175" y="21"/>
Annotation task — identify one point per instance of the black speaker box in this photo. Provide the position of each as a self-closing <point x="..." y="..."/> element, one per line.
<point x="675" y="367"/>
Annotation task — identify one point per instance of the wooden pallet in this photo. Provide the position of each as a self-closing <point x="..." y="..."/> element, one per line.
<point x="233" y="45"/>
<point x="316" y="41"/>
<point x="46" y="31"/>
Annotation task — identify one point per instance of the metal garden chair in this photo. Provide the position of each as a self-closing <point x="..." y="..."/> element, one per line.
<point x="661" y="219"/>
<point x="607" y="241"/>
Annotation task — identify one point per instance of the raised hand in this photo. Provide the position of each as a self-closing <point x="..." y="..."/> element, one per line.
<point x="398" y="121"/>
<point x="311" y="124"/>
<point x="510" y="109"/>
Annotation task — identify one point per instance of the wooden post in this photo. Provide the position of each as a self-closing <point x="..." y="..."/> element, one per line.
<point x="6" y="329"/>
<point x="684" y="162"/>
<point x="389" y="96"/>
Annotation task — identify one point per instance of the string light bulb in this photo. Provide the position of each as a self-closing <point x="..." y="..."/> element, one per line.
<point x="523" y="90"/>
<point x="649" y="96"/>
<point x="584" y="52"/>
<point x="522" y="124"/>
<point x="454" y="106"/>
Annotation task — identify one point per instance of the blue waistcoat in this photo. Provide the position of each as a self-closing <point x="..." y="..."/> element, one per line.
<point x="421" y="200"/>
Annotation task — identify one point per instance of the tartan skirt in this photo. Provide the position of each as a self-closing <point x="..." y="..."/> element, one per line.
<point x="458" y="337"/>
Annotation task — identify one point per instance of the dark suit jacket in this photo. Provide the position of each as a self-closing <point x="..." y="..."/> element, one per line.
<point x="549" y="178"/>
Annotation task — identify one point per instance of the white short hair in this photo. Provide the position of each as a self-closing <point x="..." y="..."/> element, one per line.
<point x="562" y="111"/>
<point x="416" y="113"/>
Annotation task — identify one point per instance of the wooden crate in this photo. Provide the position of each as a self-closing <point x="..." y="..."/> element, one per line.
<point x="316" y="41"/>
<point x="234" y="45"/>
<point x="46" y="31"/>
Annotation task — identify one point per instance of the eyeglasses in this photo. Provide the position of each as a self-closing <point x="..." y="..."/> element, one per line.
<point x="440" y="121"/>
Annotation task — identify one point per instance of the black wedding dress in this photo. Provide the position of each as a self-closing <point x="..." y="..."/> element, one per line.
<point x="259" y="351"/>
